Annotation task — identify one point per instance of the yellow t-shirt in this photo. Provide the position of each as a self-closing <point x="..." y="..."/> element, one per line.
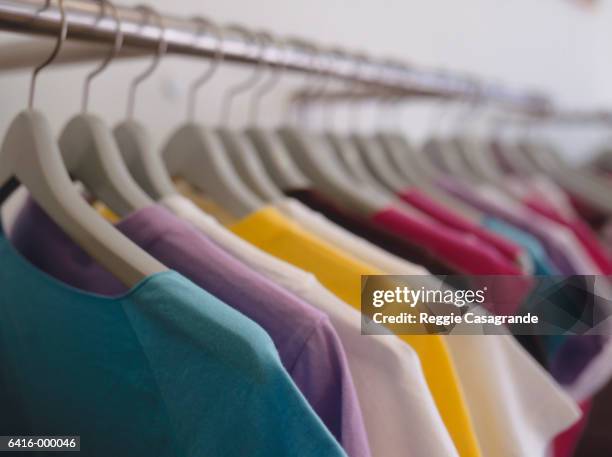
<point x="105" y="212"/>
<point x="269" y="230"/>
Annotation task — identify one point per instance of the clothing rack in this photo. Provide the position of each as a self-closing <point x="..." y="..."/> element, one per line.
<point x="96" y="31"/>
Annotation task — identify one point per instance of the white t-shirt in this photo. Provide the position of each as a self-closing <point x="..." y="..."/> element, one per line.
<point x="400" y="414"/>
<point x="516" y="407"/>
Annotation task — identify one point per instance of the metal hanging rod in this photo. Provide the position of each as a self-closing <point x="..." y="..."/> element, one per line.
<point x="87" y="24"/>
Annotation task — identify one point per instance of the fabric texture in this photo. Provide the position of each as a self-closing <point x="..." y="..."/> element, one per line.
<point x="307" y="343"/>
<point x="165" y="369"/>
<point x="339" y="272"/>
<point x="379" y="363"/>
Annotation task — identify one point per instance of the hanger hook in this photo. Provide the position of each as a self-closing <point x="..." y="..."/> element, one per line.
<point x="327" y="109"/>
<point x="205" y="23"/>
<point x="294" y="102"/>
<point x="118" y="43"/>
<point x="389" y="102"/>
<point x="354" y="120"/>
<point x="470" y="101"/>
<point x="61" y="38"/>
<point x="271" y="82"/>
<point x="441" y="111"/>
<point x="260" y="39"/>
<point x="161" y="50"/>
<point x="318" y="82"/>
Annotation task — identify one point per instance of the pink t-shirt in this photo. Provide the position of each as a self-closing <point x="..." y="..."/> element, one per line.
<point x="466" y="252"/>
<point x="451" y="219"/>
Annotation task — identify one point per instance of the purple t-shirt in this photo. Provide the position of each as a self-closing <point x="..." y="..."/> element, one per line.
<point x="306" y="341"/>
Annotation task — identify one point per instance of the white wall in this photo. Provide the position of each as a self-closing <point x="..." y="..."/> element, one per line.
<point x="546" y="44"/>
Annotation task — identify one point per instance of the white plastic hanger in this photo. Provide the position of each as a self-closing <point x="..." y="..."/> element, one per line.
<point x="238" y="147"/>
<point x="418" y="171"/>
<point x="196" y="154"/>
<point x="370" y="153"/>
<point x="144" y="164"/>
<point x="91" y="154"/>
<point x="578" y="182"/>
<point x="30" y="156"/>
<point x="342" y="145"/>
<point x="446" y="151"/>
<point x="271" y="151"/>
<point x="316" y="160"/>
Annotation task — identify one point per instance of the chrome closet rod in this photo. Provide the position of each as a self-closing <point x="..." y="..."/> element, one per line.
<point x="183" y="37"/>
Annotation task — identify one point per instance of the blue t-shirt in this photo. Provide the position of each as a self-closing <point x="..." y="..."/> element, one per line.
<point x="542" y="264"/>
<point x="164" y="370"/>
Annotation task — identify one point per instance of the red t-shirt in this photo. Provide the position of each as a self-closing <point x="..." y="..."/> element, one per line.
<point x="465" y="251"/>
<point x="451" y="219"/>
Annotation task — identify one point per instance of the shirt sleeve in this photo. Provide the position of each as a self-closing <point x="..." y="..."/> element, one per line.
<point x="322" y="374"/>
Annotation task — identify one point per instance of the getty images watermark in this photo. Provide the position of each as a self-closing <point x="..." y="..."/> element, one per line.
<point x="551" y="305"/>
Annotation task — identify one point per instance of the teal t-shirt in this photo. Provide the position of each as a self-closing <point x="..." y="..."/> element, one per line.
<point x="164" y="370"/>
<point x="542" y="265"/>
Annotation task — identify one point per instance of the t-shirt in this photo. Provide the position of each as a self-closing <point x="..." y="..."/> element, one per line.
<point x="428" y="205"/>
<point x="368" y="230"/>
<point x="341" y="273"/>
<point x="542" y="265"/>
<point x="164" y="369"/>
<point x="516" y="407"/>
<point x="382" y="364"/>
<point x="307" y="343"/>
<point x="359" y="248"/>
<point x="465" y="252"/>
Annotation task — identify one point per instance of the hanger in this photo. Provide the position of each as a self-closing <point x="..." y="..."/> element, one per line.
<point x="587" y="186"/>
<point x="196" y="153"/>
<point x="144" y="164"/>
<point x="342" y="145"/>
<point x="450" y="152"/>
<point x="91" y="154"/>
<point x="371" y="153"/>
<point x="271" y="151"/>
<point x="417" y="158"/>
<point x="316" y="160"/>
<point x="237" y="145"/>
<point x="507" y="157"/>
<point x="416" y="170"/>
<point x="479" y="154"/>
<point x="464" y="151"/>
<point x="31" y="157"/>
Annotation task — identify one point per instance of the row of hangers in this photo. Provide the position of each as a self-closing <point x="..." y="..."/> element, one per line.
<point x="244" y="169"/>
